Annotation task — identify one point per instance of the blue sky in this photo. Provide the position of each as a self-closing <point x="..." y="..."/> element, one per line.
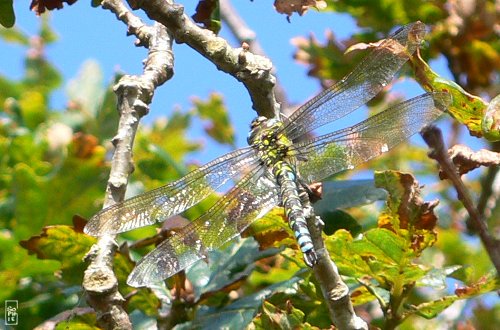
<point x="87" y="33"/>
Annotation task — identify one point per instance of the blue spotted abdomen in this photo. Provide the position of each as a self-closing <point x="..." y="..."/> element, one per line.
<point x="293" y="209"/>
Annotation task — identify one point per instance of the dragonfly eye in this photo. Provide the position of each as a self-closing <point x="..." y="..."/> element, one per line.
<point x="257" y="122"/>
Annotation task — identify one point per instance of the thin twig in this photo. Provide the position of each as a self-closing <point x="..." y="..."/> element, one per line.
<point x="134" y="94"/>
<point x="489" y="193"/>
<point x="335" y="291"/>
<point x="434" y="139"/>
<point x="64" y="316"/>
<point x="254" y="71"/>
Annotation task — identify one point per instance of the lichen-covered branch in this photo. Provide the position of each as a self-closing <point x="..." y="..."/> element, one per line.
<point x="254" y="71"/>
<point x="134" y="94"/>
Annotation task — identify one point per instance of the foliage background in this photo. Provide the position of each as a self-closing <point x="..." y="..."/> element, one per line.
<point x="59" y="114"/>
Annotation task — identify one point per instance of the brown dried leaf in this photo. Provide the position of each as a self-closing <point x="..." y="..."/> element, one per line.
<point x="39" y="6"/>
<point x="467" y="160"/>
<point x="288" y="7"/>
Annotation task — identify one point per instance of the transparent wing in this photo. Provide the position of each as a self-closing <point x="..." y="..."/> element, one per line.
<point x="251" y="199"/>
<point x="347" y="148"/>
<point x="361" y="85"/>
<point x="160" y="204"/>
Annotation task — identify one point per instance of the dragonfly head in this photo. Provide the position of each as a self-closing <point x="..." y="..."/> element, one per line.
<point x="255" y="129"/>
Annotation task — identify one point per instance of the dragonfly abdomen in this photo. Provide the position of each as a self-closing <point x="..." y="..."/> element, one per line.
<point x="292" y="204"/>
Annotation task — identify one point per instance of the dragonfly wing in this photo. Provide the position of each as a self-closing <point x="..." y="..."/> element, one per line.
<point x="251" y="199"/>
<point x="160" y="204"/>
<point x="367" y="79"/>
<point x="349" y="147"/>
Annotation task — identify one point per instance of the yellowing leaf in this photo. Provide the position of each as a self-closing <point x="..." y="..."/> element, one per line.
<point x="33" y="108"/>
<point x="65" y="244"/>
<point x="272" y="230"/>
<point x="407" y="214"/>
<point x="386" y="254"/>
<point x="487" y="283"/>
<point x="273" y="317"/>
<point x="468" y="109"/>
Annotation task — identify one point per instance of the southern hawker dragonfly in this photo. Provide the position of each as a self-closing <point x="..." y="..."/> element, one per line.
<point x="280" y="159"/>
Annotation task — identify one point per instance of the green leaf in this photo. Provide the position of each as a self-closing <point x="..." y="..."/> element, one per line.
<point x="161" y="149"/>
<point x="384" y="15"/>
<point x="40" y="75"/>
<point x="81" y="322"/>
<point x="66" y="244"/>
<point x="273" y="317"/>
<point x="15" y="264"/>
<point x="340" y="220"/>
<point x="218" y="126"/>
<point x="458" y="250"/>
<point x="362" y="295"/>
<point x="347" y="193"/>
<point x="240" y="313"/>
<point x="225" y="267"/>
<point x="31" y="207"/>
<point x="33" y="106"/>
<point x="431" y="309"/>
<point x="106" y="120"/>
<point x="7" y="16"/>
<point x="488" y="283"/>
<point x="47" y="34"/>
<point x="15" y="35"/>
<point x="379" y="254"/>
<point x="143" y="300"/>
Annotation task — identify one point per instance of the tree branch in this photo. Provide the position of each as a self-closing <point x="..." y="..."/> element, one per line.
<point x="134" y="94"/>
<point x="254" y="71"/>
<point x="434" y="139"/>
<point x="335" y="291"/>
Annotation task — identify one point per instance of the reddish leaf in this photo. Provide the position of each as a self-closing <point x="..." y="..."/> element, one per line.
<point x="84" y="145"/>
<point x="207" y="13"/>
<point x="39" y="6"/>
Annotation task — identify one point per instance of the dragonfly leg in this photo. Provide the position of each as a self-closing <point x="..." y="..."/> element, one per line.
<point x="311" y="258"/>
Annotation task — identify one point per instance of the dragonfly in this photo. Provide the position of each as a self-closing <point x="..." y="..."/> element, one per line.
<point x="281" y="158"/>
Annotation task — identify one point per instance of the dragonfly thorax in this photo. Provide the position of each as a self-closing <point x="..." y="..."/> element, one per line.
<point x="268" y="138"/>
